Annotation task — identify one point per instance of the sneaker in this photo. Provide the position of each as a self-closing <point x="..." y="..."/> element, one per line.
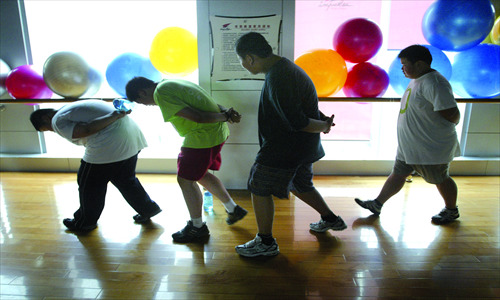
<point x="71" y="225"/>
<point x="323" y="225"/>
<point x="255" y="248"/>
<point x="446" y="216"/>
<point x="238" y="214"/>
<point x="370" y="205"/>
<point x="191" y="233"/>
<point x="144" y="219"/>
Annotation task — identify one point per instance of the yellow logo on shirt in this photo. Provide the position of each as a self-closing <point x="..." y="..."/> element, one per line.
<point x="402" y="111"/>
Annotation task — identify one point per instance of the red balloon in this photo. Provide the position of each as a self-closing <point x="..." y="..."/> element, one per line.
<point x="366" y="80"/>
<point x="357" y="40"/>
<point x="24" y="82"/>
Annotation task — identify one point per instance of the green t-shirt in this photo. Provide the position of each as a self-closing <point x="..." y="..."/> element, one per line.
<point x="172" y="95"/>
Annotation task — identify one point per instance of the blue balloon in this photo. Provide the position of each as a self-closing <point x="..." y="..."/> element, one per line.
<point x="476" y="72"/>
<point x="440" y="63"/>
<point x="127" y="66"/>
<point x="457" y="25"/>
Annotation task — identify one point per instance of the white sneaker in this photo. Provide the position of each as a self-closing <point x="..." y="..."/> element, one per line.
<point x="323" y="225"/>
<point x="255" y="248"/>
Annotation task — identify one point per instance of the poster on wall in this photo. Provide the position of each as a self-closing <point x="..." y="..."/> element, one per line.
<point x="226" y="30"/>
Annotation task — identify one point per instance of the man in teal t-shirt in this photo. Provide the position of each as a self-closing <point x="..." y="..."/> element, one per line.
<point x="202" y="123"/>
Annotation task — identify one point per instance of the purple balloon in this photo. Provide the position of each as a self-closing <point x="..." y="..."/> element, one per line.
<point x="357" y="40"/>
<point x="24" y="82"/>
<point x="366" y="80"/>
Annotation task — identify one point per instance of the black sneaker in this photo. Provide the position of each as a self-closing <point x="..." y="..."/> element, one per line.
<point x="446" y="216"/>
<point x="144" y="219"/>
<point x="71" y="224"/>
<point x="191" y="233"/>
<point x="238" y="214"/>
<point x="371" y="205"/>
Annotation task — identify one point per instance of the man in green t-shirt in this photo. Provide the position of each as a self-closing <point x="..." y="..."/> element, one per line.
<point x="202" y="123"/>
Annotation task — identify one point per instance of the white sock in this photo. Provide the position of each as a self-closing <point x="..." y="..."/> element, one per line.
<point x="198" y="222"/>
<point x="229" y="206"/>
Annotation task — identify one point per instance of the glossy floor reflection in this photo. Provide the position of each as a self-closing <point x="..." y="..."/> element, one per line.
<point x="399" y="255"/>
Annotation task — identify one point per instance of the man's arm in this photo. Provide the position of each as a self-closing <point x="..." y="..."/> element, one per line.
<point x="198" y="116"/>
<point x="451" y="114"/>
<point x="82" y="130"/>
<point x="317" y="126"/>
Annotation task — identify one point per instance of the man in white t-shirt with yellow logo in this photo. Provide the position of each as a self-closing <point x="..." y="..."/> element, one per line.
<point x="427" y="139"/>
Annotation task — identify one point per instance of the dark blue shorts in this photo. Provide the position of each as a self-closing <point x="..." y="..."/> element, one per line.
<point x="265" y="181"/>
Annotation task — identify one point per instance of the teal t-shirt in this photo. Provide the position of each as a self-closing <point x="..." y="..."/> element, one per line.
<point x="172" y="95"/>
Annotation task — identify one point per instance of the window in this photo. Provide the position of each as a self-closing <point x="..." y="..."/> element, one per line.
<point x="363" y="130"/>
<point x="99" y="31"/>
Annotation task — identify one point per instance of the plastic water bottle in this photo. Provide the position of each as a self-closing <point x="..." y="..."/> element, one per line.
<point x="208" y="202"/>
<point x="123" y="105"/>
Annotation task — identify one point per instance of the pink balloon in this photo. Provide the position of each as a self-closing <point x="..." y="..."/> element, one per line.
<point x="357" y="40"/>
<point x="24" y="82"/>
<point x="366" y="80"/>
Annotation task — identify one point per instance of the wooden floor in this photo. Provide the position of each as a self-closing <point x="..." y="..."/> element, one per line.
<point x="399" y="255"/>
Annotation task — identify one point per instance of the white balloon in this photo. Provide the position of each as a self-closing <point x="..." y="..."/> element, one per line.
<point x="4" y="72"/>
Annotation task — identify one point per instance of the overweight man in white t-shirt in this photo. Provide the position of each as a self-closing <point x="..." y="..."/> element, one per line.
<point x="112" y="142"/>
<point x="427" y="139"/>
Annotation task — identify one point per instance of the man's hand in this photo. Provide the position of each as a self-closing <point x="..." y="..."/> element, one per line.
<point x="120" y="114"/>
<point x="330" y="124"/>
<point x="233" y="116"/>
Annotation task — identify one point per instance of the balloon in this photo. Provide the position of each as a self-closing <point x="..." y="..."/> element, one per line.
<point x="326" y="68"/>
<point x="24" y="82"/>
<point x="68" y="75"/>
<point x="457" y="25"/>
<point x="94" y="83"/>
<point x="476" y="72"/>
<point x="174" y="51"/>
<point x="357" y="40"/>
<point x="4" y="71"/>
<point x="127" y="66"/>
<point x="495" y="32"/>
<point x="440" y="63"/>
<point x="366" y="80"/>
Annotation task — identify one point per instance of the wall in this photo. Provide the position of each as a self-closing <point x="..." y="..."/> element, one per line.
<point x="16" y="133"/>
<point x="483" y="134"/>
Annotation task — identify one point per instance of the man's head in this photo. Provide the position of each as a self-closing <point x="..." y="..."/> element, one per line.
<point x="140" y="90"/>
<point x="252" y="47"/>
<point x="42" y="119"/>
<point x="416" y="61"/>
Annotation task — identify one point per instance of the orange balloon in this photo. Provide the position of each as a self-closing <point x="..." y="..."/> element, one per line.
<point x="326" y="68"/>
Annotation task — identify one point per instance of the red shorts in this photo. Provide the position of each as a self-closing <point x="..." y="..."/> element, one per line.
<point x="193" y="164"/>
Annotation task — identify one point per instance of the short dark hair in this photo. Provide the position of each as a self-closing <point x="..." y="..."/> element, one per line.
<point x="137" y="84"/>
<point x="36" y="117"/>
<point x="415" y="53"/>
<point x="253" y="43"/>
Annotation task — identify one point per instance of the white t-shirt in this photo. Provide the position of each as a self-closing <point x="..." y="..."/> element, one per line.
<point x="118" y="141"/>
<point x="424" y="136"/>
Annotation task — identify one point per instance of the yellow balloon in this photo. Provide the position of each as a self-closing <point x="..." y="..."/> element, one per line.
<point x="174" y="51"/>
<point x="495" y="32"/>
<point x="326" y="68"/>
